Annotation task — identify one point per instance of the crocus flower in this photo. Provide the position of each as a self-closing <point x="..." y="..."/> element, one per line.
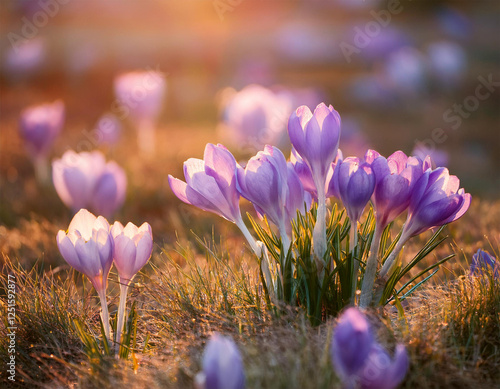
<point x="86" y="180"/>
<point x="316" y="136"/>
<point x="140" y="95"/>
<point x="132" y="247"/>
<point x="297" y="198"/>
<point x="436" y="200"/>
<point x="254" y="117"/>
<point x="39" y="126"/>
<point x="88" y="247"/>
<point x="222" y="365"/>
<point x="211" y="185"/>
<point x="355" y="182"/>
<point x="484" y="263"/>
<point x="359" y="360"/>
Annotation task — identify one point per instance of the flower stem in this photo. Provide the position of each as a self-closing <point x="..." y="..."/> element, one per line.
<point x="42" y="171"/>
<point x="319" y="232"/>
<point x="104" y="313"/>
<point x="355" y="262"/>
<point x="121" y="315"/>
<point x="371" y="269"/>
<point x="392" y="256"/>
<point x="250" y="239"/>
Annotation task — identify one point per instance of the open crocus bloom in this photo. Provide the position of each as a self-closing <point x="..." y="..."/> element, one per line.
<point x="436" y="200"/>
<point x="210" y="183"/>
<point x="483" y="263"/>
<point x="132" y="248"/>
<point x="222" y="365"/>
<point x="87" y="246"/>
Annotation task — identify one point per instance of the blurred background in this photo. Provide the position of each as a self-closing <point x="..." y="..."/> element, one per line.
<point x="419" y="76"/>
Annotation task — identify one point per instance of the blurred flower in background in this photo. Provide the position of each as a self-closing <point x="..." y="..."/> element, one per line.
<point x="39" y="126"/>
<point x="108" y="129"/>
<point x="254" y="117"/>
<point x="483" y="264"/>
<point x="447" y="63"/>
<point x="25" y="58"/>
<point x="85" y="180"/>
<point x="140" y="96"/>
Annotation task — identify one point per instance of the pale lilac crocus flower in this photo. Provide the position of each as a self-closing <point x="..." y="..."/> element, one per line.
<point x="315" y="137"/>
<point x="211" y="185"/>
<point x="88" y="247"/>
<point x="359" y="360"/>
<point x="140" y="95"/>
<point x="222" y="365"/>
<point x="263" y="182"/>
<point x="132" y="248"/>
<point x="85" y="180"/>
<point x="436" y="200"/>
<point x="40" y="125"/>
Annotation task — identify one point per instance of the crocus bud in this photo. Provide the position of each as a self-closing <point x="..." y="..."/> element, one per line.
<point x="359" y="360"/>
<point x="87" y="246"/>
<point x="382" y="372"/>
<point x="40" y="125"/>
<point x="351" y="344"/>
<point x="132" y="248"/>
<point x="210" y="183"/>
<point x="316" y="136"/>
<point x="303" y="172"/>
<point x="436" y="200"/>
<point x="222" y="365"/>
<point x="297" y="198"/>
<point x="355" y="182"/>
<point x="264" y="183"/>
<point x="483" y="263"/>
<point x="86" y="180"/>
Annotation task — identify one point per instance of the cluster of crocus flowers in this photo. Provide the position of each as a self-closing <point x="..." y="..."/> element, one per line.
<point x="359" y="360"/>
<point x="39" y="126"/>
<point x="91" y="246"/>
<point x="86" y="180"/>
<point x="222" y="365"/>
<point x="140" y="95"/>
<point x="318" y="170"/>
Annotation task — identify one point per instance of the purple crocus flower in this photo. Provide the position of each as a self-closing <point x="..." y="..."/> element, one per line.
<point x="355" y="182"/>
<point x="88" y="247"/>
<point x="40" y="125"/>
<point x="86" y="180"/>
<point x="222" y="365"/>
<point x="297" y="198"/>
<point x="436" y="200"/>
<point x="303" y="172"/>
<point x="484" y="263"/>
<point x="359" y="360"/>
<point x="315" y="137"/>
<point x="210" y="183"/>
<point x="264" y="183"/>
<point x="395" y="178"/>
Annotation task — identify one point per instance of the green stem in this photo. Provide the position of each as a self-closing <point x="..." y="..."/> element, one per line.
<point x="319" y="232"/>
<point x="392" y="256"/>
<point x="371" y="269"/>
<point x="355" y="263"/>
